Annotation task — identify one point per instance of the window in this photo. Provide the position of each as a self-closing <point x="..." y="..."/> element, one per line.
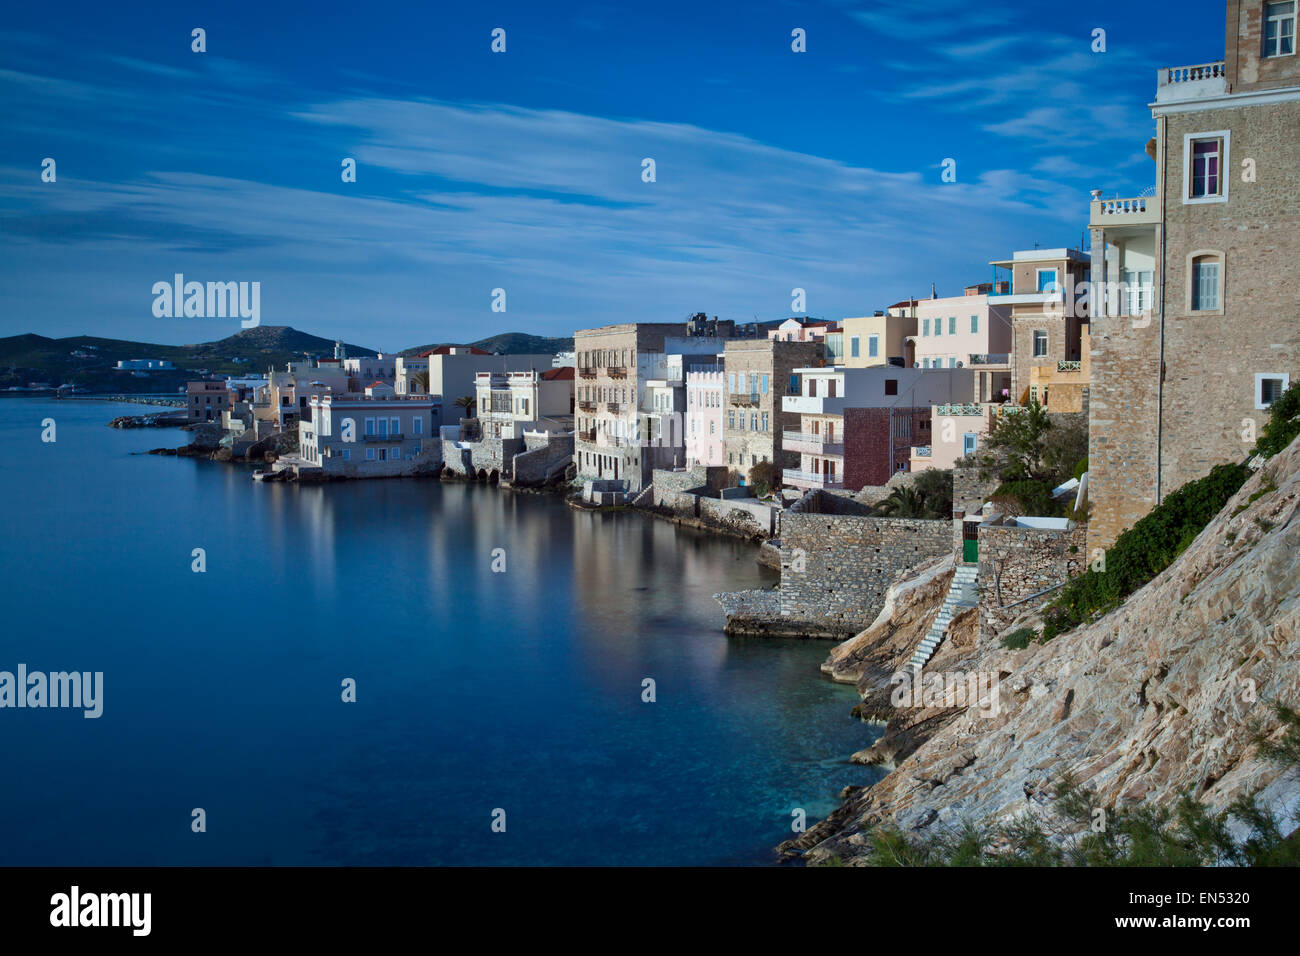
<point x="347" y="454"/>
<point x="891" y="386"/>
<point x="1279" y="28"/>
<point x="394" y="426"/>
<point x="952" y="362"/>
<point x="952" y="325"/>
<point x="731" y="382"/>
<point x="765" y="421"/>
<point x="974" y="325"/>
<point x="873" y="346"/>
<point x="417" y="425"/>
<point x="969" y="441"/>
<point x="938" y="326"/>
<point x="853" y="347"/>
<point x="1205" y="157"/>
<point x="1040" y="343"/>
<point x="1205" y="282"/>
<point x="925" y="327"/>
<point x="1269" y="386"/>
<point x="415" y="449"/>
<point x="1046" y="280"/>
<point x="370" y="426"/>
<point x="731" y="418"/>
<point x="370" y="454"/>
<point x="753" y="421"/>
<point x="794" y="384"/>
<point x="765" y="383"/>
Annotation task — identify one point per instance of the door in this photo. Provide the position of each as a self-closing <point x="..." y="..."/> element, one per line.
<point x="968" y="442"/>
<point x="970" y="542"/>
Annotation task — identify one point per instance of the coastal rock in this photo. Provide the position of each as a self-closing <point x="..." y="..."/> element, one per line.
<point x="1153" y="701"/>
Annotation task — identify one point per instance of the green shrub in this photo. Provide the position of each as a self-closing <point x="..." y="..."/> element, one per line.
<point x="1081" y="467"/>
<point x="1283" y="423"/>
<point x="1019" y="639"/>
<point x="1032" y="496"/>
<point x="1145" y="549"/>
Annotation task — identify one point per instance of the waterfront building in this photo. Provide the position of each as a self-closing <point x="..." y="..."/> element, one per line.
<point x="858" y="426"/>
<point x="966" y="331"/>
<point x="453" y="369"/>
<point x="375" y="434"/>
<point x="1048" y="319"/>
<point x="370" y="368"/>
<point x="206" y="401"/>
<point x="510" y="403"/>
<point x="706" y="398"/>
<point x="797" y="329"/>
<point x="1184" y="385"/>
<point x="885" y="338"/>
<point x="759" y="374"/>
<point x="142" y="365"/>
<point x="615" y="402"/>
<point x="411" y="374"/>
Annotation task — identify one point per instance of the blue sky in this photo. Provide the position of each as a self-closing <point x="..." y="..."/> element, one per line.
<point x="775" y="170"/>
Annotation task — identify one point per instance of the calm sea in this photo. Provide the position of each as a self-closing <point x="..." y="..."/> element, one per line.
<point x="476" y="691"/>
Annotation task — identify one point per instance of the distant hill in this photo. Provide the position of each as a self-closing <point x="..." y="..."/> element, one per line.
<point x="507" y="343"/>
<point x="37" y="358"/>
<point x="276" y="338"/>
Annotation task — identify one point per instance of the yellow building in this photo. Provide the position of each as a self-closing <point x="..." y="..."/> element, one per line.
<point x="880" y="339"/>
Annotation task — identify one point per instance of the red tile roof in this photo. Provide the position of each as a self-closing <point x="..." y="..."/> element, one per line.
<point x="563" y="373"/>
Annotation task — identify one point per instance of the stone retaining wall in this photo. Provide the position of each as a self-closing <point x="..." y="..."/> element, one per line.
<point x="1015" y="563"/>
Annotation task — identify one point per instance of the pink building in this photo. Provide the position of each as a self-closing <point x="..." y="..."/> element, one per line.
<point x="705" y="397"/>
<point x="802" y="330"/>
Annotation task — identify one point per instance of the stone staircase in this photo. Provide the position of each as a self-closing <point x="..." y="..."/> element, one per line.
<point x="963" y="592"/>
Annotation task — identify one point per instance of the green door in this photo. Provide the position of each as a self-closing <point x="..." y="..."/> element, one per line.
<point x="970" y="550"/>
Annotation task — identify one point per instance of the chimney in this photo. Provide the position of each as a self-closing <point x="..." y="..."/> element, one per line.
<point x="934" y="294"/>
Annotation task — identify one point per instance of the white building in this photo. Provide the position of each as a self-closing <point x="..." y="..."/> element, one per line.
<point x="510" y="403"/>
<point x="373" y="435"/>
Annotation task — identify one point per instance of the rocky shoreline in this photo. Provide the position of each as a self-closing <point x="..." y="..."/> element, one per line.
<point x="1158" y="699"/>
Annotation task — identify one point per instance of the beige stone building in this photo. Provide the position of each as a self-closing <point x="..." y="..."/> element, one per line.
<point x="1183" y="385"/>
<point x="759" y="373"/>
<point x="880" y="339"/>
<point x="1047" y="326"/>
<point x="617" y="405"/>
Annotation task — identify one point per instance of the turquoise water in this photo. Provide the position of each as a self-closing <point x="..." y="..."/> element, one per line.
<point x="475" y="690"/>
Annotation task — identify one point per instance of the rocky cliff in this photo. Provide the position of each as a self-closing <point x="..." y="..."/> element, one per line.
<point x="1154" y="700"/>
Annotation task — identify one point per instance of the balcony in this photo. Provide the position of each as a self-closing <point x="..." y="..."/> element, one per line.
<point x="813" y="405"/>
<point x="959" y="410"/>
<point x="808" y="479"/>
<point x="921" y="451"/>
<point x="587" y="435"/>
<point x="992" y="359"/>
<point x="1069" y="366"/>
<point x="1177" y="84"/>
<point x="395" y="436"/>
<point x="587" y="406"/>
<point x="810" y="443"/>
<point x="1109" y="213"/>
<point x="613" y="407"/>
<point x="747" y="399"/>
<point x="587" y="371"/>
<point x="616" y="371"/>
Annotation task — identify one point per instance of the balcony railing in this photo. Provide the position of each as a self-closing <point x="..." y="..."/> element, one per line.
<point x="1202" y="71"/>
<point x="817" y="444"/>
<point x="921" y="451"/>
<point x="959" y="410"/>
<point x="744" y="398"/>
<point x="1183" y="83"/>
<point x="617" y="371"/>
<point x="808" y="479"/>
<point x="393" y="436"/>
<point x="587" y="435"/>
<point x="613" y="407"/>
<point x="1135" y="211"/>
<point x="587" y="406"/>
<point x="587" y="371"/>
<point x="996" y="358"/>
<point x="1069" y="366"/>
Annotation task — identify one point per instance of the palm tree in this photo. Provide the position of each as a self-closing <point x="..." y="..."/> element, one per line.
<point x="904" y="502"/>
<point x="468" y="404"/>
<point x="421" y="379"/>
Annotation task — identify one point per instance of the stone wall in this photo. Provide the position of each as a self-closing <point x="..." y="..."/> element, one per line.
<point x="1015" y="563"/>
<point x="969" y="490"/>
<point x="835" y="569"/>
<point x="541" y="459"/>
<point x="468" y="459"/>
